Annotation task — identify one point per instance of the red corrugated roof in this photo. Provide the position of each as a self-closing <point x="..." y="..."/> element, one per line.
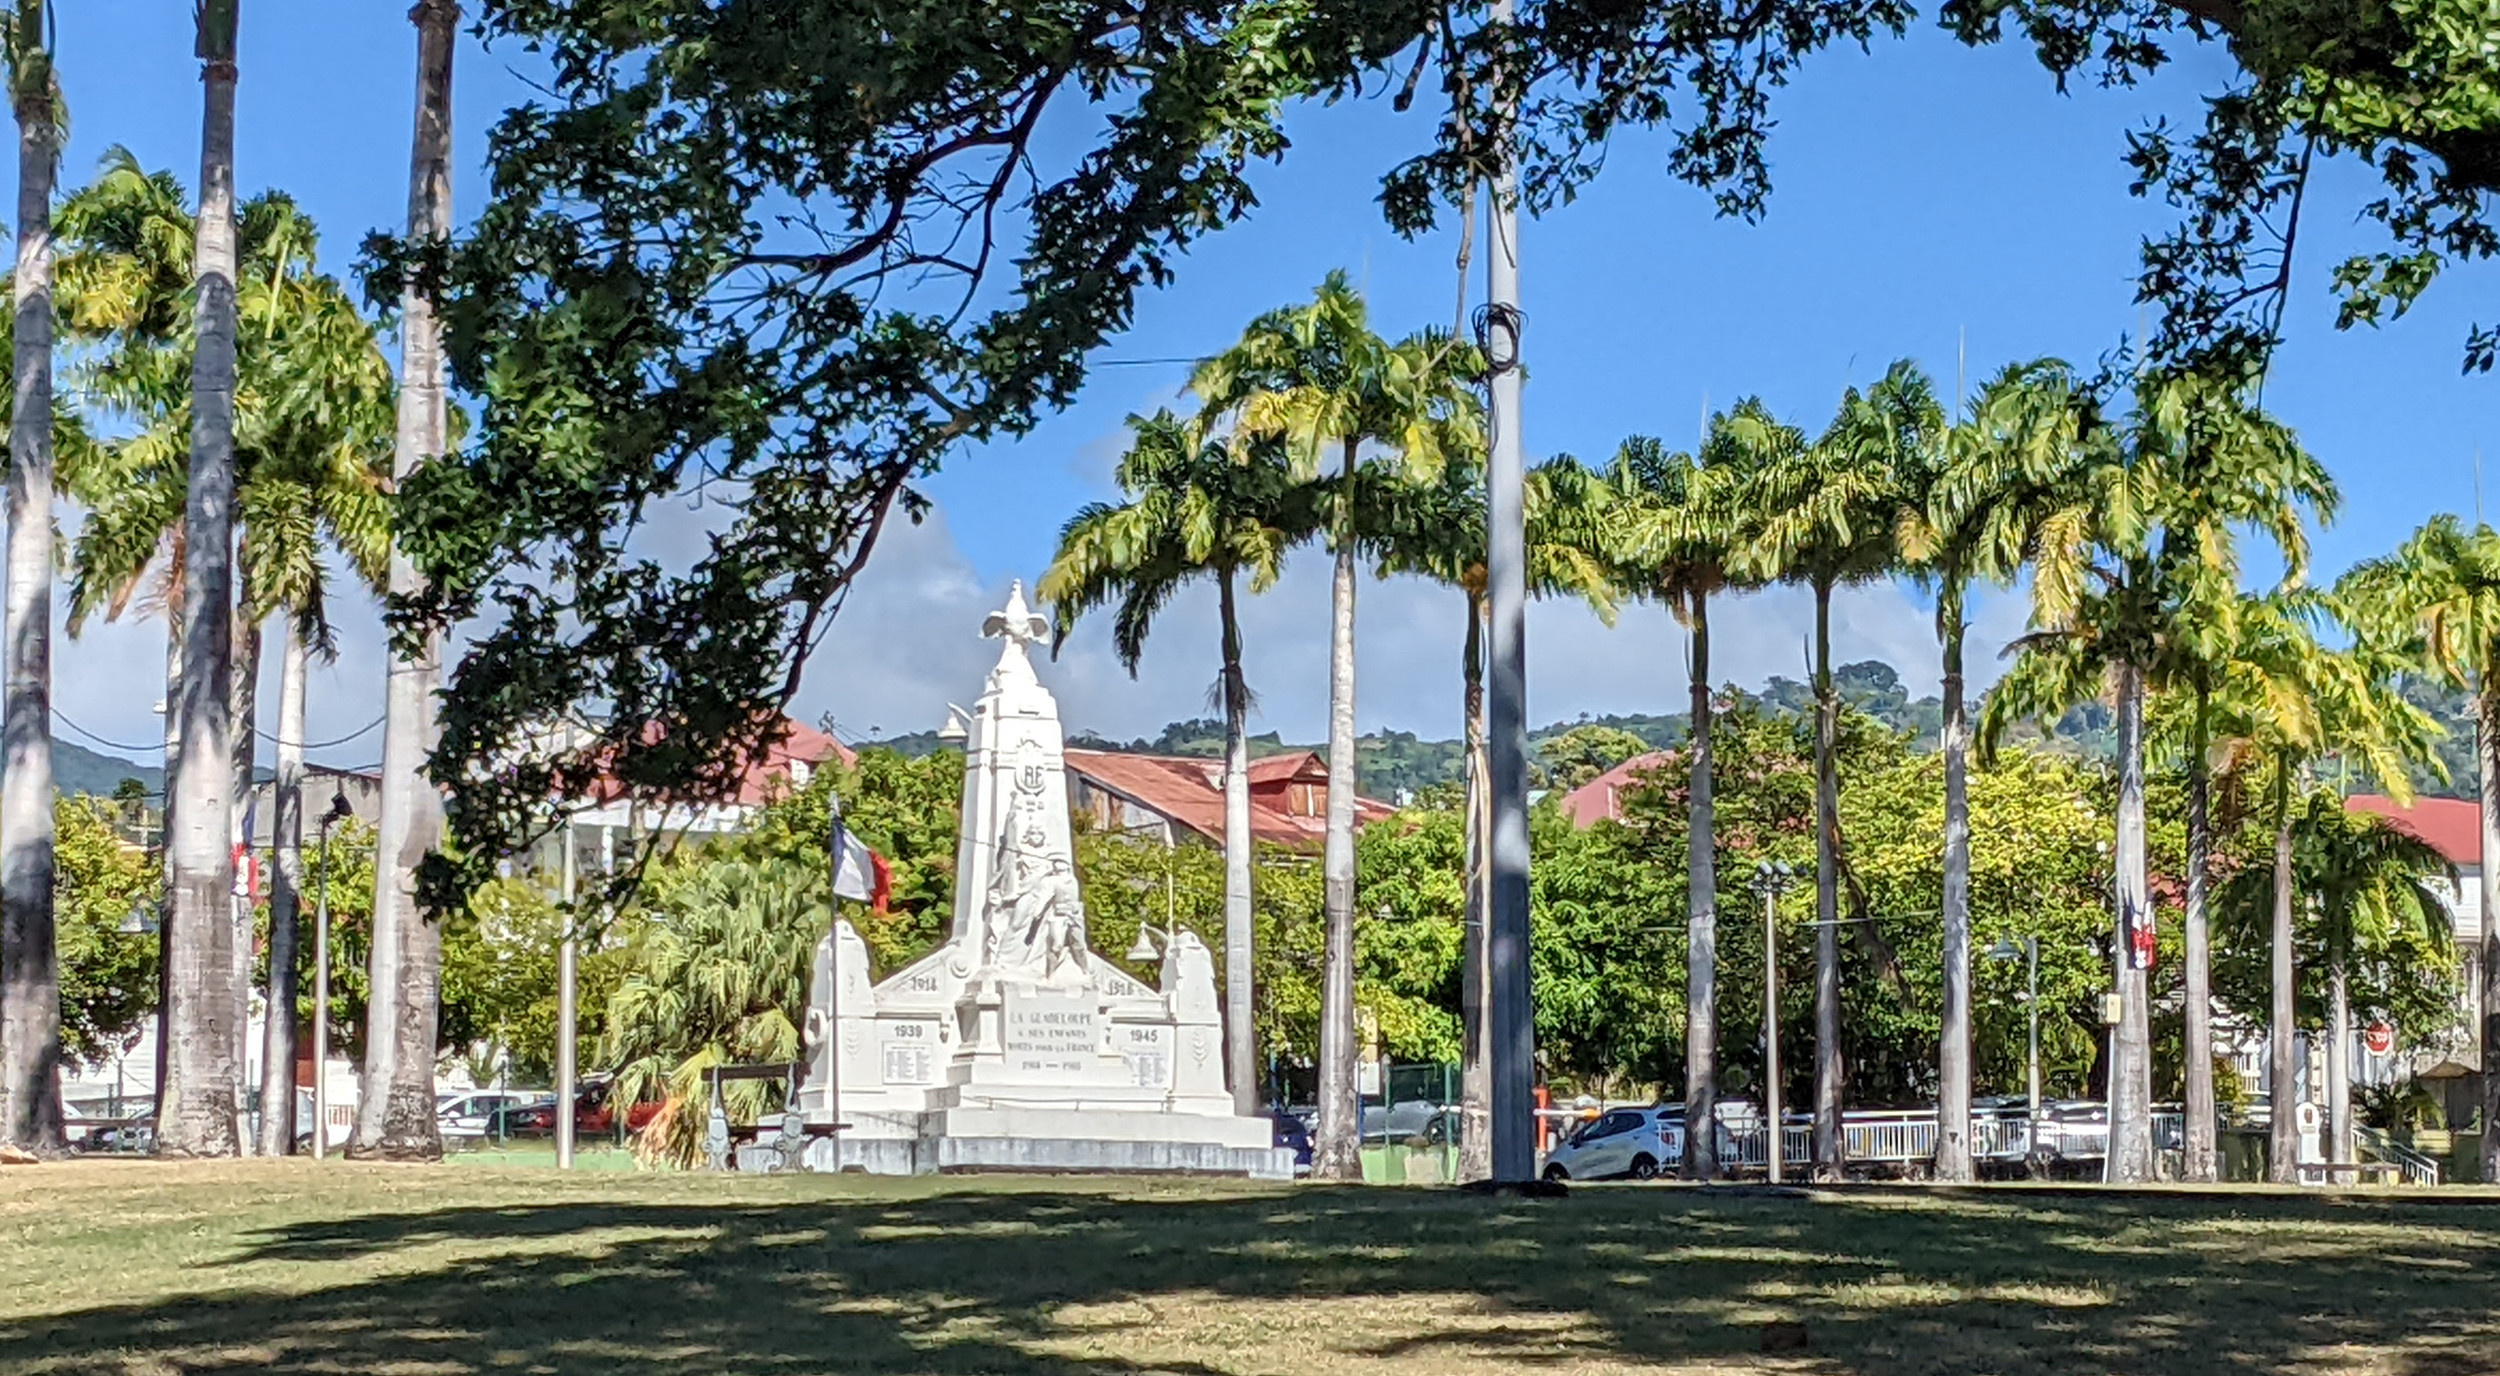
<point x="2454" y="825"/>
<point x="763" y="779"/>
<point x="1282" y="768"/>
<point x="806" y="745"/>
<point x="1190" y="792"/>
<point x="1600" y="799"/>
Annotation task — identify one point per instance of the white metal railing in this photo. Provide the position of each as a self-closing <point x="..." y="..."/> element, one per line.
<point x="2419" y="1168"/>
<point x="1888" y="1137"/>
<point x="1999" y="1137"/>
<point x="1905" y="1137"/>
<point x="1908" y="1136"/>
<point x="2170" y="1132"/>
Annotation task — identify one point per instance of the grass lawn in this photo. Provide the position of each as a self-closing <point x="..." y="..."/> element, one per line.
<point x="290" y="1266"/>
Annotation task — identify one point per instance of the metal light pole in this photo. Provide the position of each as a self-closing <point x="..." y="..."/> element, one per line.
<point x="2029" y="952"/>
<point x="1771" y="879"/>
<point x="339" y="812"/>
<point x="567" y="1015"/>
<point x="1512" y="1043"/>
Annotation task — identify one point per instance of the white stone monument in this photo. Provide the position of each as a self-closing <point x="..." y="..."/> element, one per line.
<point x="1013" y="1046"/>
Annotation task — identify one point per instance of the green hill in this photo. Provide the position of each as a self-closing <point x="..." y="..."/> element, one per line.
<point x="76" y="769"/>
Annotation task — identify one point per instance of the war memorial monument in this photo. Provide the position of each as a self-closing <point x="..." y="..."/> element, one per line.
<point x="1013" y="1045"/>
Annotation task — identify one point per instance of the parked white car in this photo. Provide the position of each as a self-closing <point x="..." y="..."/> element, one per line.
<point x="1634" y="1143"/>
<point x="469" y="1115"/>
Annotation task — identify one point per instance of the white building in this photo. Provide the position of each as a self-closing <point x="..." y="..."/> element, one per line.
<point x="2455" y="827"/>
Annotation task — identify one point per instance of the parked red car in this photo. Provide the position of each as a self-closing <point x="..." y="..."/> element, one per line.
<point x="594" y="1115"/>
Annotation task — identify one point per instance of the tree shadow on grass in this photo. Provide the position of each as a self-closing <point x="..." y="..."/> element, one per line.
<point x="1079" y="1280"/>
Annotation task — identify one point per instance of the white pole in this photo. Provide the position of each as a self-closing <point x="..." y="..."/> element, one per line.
<point x="567" y="1017"/>
<point x="1512" y="1045"/>
<point x="1771" y="1027"/>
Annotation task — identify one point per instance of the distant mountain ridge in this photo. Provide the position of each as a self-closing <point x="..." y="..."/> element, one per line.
<point x="1398" y="764"/>
<point x="1395" y="765"/>
<point x="76" y="769"/>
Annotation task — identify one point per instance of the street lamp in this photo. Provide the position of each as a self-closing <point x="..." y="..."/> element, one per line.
<point x="1771" y="878"/>
<point x="2029" y="953"/>
<point x="1147" y="948"/>
<point x="339" y="812"/>
<point x="139" y="921"/>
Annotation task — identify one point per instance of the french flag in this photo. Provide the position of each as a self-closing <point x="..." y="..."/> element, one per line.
<point x="860" y="874"/>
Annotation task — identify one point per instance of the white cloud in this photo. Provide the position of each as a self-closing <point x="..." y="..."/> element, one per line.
<point x="908" y="642"/>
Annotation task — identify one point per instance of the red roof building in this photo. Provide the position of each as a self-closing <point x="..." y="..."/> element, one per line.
<point x="1601" y="798"/>
<point x="788" y="764"/>
<point x="2454" y="825"/>
<point x="1179" y="793"/>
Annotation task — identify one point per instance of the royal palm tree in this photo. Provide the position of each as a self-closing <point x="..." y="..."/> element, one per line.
<point x="2436" y="601"/>
<point x="200" y="1112"/>
<point x="2133" y="550"/>
<point x="1831" y="515"/>
<point x="2372" y="888"/>
<point x="1193" y="510"/>
<point x="311" y="413"/>
<point x="1317" y="380"/>
<point x="1678" y="528"/>
<point x="2376" y="883"/>
<point x="395" y="1113"/>
<point x="2280" y="702"/>
<point x="30" y="984"/>
<point x="1974" y="501"/>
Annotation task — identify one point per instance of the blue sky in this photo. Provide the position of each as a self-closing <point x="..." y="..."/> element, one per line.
<point x="1929" y="199"/>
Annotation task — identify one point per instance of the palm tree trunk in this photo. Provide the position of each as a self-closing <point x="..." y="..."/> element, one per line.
<point x="2487" y="769"/>
<point x="2282" y="1072"/>
<point x="286" y="835"/>
<point x="1701" y="923"/>
<point x="2131" y="1069"/>
<point x="395" y="1112"/>
<point x="1831" y="1151"/>
<point x="203" y="1080"/>
<point x="30" y="970"/>
<point x="1240" y="1031"/>
<point x="1475" y="1114"/>
<point x="165" y="856"/>
<point x="2203" y="1164"/>
<point x="244" y="711"/>
<point x="2338" y="1066"/>
<point x="1336" y="1152"/>
<point x="1953" y="1148"/>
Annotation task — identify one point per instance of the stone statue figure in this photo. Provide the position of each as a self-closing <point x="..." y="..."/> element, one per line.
<point x="1036" y="916"/>
<point x="1051" y="914"/>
